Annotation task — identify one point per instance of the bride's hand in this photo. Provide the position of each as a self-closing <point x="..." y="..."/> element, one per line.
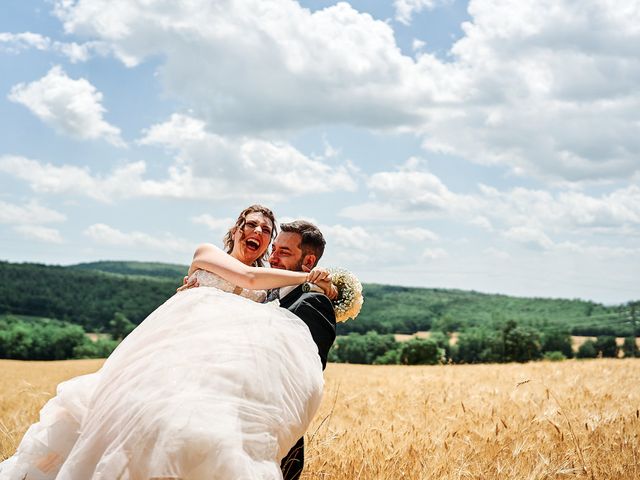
<point x="322" y="278"/>
<point x="187" y="284"/>
<point x="317" y="275"/>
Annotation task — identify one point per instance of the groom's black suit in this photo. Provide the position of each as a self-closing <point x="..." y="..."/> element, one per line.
<point x="316" y="310"/>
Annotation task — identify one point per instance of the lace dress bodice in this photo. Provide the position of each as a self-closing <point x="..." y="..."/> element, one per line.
<point x="208" y="279"/>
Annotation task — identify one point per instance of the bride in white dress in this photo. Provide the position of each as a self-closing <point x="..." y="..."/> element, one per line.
<point x="212" y="385"/>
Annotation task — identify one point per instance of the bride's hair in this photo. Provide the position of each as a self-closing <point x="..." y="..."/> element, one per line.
<point x="240" y="222"/>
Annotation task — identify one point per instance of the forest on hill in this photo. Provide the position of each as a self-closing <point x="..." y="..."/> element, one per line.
<point x="91" y="294"/>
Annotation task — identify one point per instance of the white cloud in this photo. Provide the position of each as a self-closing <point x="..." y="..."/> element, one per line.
<point x="40" y="233"/>
<point x="405" y="9"/>
<point x="213" y="166"/>
<point x="530" y="236"/>
<point x="75" y="52"/>
<point x="564" y="211"/>
<point x="418" y="45"/>
<point x="409" y="193"/>
<point x="538" y="219"/>
<point x="413" y="192"/>
<point x="27" y="220"/>
<point x="72" y="107"/>
<point x="107" y="235"/>
<point x="80" y="52"/>
<point x="15" y="42"/>
<point x="123" y="182"/>
<point x="550" y="89"/>
<point x="271" y="64"/>
<point x="346" y="245"/>
<point x="343" y="237"/>
<point x="214" y="224"/>
<point x="547" y="88"/>
<point x="31" y="213"/>
<point x="482" y="222"/>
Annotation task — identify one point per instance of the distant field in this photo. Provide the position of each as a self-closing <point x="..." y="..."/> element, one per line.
<point x="571" y="419"/>
<point x="575" y="339"/>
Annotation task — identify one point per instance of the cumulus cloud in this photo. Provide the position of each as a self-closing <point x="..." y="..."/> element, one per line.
<point x="72" y="107"/>
<point x="122" y="182"/>
<point x="551" y="89"/>
<point x="271" y="64"/>
<point x="531" y="217"/>
<point x="410" y="192"/>
<point x="166" y="242"/>
<point x="545" y="88"/>
<point x="215" y="166"/>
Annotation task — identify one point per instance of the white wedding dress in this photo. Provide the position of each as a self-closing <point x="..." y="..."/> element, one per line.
<point x="210" y="386"/>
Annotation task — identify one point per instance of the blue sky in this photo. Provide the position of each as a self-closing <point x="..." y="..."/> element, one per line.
<point x="487" y="145"/>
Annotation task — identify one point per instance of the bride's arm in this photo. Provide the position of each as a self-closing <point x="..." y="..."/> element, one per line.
<point x="211" y="258"/>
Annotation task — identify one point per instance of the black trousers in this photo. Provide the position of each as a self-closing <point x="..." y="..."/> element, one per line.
<point x="293" y="463"/>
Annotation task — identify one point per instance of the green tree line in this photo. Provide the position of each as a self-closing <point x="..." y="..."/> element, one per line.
<point x="45" y="339"/>
<point x="496" y="343"/>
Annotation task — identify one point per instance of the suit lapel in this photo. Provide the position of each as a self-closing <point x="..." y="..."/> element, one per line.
<point x="292" y="296"/>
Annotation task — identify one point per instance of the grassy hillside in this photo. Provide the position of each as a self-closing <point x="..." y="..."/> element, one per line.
<point x="86" y="297"/>
<point x="142" y="269"/>
<point x="90" y="294"/>
<point x="391" y="309"/>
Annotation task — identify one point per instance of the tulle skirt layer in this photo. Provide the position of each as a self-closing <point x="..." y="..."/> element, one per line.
<point x="209" y="386"/>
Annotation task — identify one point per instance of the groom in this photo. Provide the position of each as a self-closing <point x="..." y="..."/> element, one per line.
<point x="298" y="247"/>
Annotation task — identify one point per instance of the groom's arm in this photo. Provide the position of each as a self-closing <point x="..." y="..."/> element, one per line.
<point x="316" y="310"/>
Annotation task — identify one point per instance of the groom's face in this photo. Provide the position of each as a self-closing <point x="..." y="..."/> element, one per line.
<point x="286" y="253"/>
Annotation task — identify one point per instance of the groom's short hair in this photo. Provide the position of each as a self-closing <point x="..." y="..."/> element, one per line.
<point x="311" y="241"/>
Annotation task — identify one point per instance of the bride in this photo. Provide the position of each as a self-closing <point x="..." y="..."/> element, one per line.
<point x="211" y="385"/>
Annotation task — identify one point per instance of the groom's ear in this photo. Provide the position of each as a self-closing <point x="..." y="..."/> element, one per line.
<point x="309" y="261"/>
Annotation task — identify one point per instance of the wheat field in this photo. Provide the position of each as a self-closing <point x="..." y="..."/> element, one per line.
<point x="565" y="420"/>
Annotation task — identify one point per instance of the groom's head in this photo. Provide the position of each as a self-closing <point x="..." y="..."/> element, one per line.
<point x="299" y="244"/>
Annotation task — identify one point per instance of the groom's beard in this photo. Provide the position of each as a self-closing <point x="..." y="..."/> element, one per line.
<point x="298" y="267"/>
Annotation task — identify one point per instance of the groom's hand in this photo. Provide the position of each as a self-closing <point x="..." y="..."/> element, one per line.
<point x="330" y="290"/>
<point x="187" y="284"/>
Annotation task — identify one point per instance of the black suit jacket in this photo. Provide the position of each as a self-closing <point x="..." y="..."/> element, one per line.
<point x="316" y="310"/>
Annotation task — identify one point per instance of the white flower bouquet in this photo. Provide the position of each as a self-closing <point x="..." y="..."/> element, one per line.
<point x="349" y="301"/>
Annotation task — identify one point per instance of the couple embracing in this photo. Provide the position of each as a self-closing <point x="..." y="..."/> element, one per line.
<point x="217" y="383"/>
